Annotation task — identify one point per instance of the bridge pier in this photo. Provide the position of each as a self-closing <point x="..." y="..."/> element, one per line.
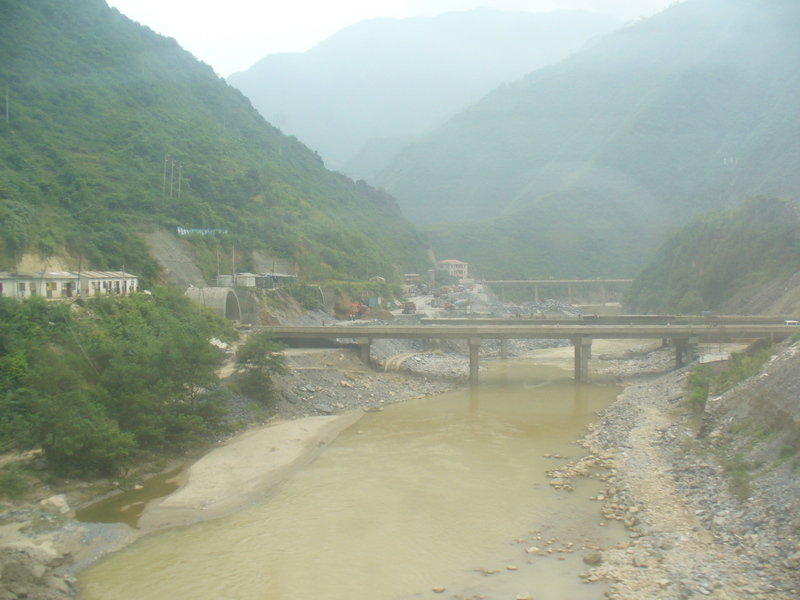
<point x="691" y="349"/>
<point x="583" y="351"/>
<point x="474" y="348"/>
<point x="363" y="349"/>
<point x="680" y="348"/>
<point x="504" y="349"/>
<point x="686" y="351"/>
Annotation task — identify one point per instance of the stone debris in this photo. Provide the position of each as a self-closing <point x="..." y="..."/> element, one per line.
<point x="690" y="535"/>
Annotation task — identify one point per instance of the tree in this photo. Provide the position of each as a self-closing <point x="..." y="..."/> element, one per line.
<point x="258" y="360"/>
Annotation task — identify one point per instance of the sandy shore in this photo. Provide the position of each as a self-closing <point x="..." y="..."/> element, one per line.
<point x="242" y="470"/>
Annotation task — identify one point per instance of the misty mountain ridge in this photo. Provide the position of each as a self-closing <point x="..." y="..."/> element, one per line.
<point x="372" y="87"/>
<point x="581" y="168"/>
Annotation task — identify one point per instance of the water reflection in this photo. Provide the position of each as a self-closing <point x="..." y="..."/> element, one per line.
<point x="127" y="507"/>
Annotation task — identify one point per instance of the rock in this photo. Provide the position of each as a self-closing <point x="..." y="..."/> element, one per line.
<point x="532" y="549"/>
<point x="593" y="558"/>
<point x="56" y="504"/>
<point x="290" y="396"/>
<point x="793" y="561"/>
<point x="439" y="589"/>
<point x="324" y="408"/>
<point x="640" y="562"/>
<point x="558" y="481"/>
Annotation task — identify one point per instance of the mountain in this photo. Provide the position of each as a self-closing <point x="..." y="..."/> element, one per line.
<point x="582" y="168"/>
<point x="372" y="87"/>
<point x="719" y="256"/>
<point x="113" y="131"/>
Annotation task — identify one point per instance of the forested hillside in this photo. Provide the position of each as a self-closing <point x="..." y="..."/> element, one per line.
<point x="720" y="255"/>
<point x="582" y="168"/>
<point x="119" y="378"/>
<point x="99" y="108"/>
<point x="358" y="96"/>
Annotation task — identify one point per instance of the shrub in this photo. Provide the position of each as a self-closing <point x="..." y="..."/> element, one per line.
<point x="697" y="386"/>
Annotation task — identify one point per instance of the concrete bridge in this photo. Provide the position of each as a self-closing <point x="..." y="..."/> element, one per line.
<point x="685" y="337"/>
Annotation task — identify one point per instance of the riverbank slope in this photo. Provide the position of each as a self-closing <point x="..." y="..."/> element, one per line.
<point x="711" y="500"/>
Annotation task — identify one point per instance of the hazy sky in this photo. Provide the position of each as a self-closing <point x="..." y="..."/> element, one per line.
<point x="231" y="35"/>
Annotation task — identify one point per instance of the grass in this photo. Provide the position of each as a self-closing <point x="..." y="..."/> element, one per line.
<point x="13" y="483"/>
<point x="741" y="473"/>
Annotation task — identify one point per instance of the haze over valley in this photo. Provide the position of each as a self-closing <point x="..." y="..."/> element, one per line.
<point x="440" y="302"/>
<point x="375" y="86"/>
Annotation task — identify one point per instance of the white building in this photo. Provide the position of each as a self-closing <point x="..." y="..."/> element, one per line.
<point x="59" y="285"/>
<point x="456" y="268"/>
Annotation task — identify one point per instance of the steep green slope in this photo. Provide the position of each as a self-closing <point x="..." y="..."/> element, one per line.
<point x="692" y="109"/>
<point x="96" y="103"/>
<point x="718" y="255"/>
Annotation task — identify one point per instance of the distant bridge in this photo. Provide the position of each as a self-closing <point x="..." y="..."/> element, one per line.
<point x="685" y="337"/>
<point x="537" y="283"/>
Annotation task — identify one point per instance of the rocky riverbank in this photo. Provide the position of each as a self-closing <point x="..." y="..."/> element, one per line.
<point x="690" y="535"/>
<point x="672" y="479"/>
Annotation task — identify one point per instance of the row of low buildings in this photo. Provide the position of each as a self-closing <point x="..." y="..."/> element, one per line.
<point x="60" y="285"/>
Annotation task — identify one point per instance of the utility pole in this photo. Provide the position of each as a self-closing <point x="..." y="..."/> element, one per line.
<point x="164" y="185"/>
<point x="171" y="177"/>
<point x="180" y="167"/>
<point x="233" y="266"/>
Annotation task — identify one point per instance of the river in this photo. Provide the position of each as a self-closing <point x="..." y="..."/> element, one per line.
<point x="441" y="492"/>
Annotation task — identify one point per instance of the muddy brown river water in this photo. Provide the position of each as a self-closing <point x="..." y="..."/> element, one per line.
<point x="442" y="492"/>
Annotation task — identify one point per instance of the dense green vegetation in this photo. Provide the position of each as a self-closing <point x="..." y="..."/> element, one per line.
<point x="583" y="168"/>
<point x="258" y="360"/>
<point x="96" y="104"/>
<point x="718" y="254"/>
<point x="96" y="386"/>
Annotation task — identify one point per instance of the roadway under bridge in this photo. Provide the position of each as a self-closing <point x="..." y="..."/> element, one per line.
<point x="684" y="337"/>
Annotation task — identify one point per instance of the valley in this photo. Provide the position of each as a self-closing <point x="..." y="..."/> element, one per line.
<point x="336" y="327"/>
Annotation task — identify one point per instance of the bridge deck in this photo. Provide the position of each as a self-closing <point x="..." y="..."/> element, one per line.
<point x="581" y="333"/>
<point x="704" y="333"/>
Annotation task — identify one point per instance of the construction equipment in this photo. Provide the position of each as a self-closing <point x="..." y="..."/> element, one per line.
<point x="357" y="309"/>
